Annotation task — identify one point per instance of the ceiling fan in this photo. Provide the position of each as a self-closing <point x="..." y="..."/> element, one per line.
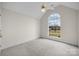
<point x="46" y="7"/>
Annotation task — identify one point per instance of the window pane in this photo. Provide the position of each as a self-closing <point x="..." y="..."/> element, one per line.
<point x="54" y="25"/>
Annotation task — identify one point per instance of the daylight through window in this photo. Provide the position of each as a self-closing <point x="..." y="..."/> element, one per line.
<point x="54" y="25"/>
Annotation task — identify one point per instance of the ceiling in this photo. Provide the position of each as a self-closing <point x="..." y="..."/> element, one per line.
<point x="33" y="9"/>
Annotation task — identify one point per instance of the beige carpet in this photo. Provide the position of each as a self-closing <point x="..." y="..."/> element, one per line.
<point x="41" y="47"/>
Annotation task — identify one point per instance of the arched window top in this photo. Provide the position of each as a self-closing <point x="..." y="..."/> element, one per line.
<point x="54" y="25"/>
<point x="54" y="19"/>
<point x="55" y="14"/>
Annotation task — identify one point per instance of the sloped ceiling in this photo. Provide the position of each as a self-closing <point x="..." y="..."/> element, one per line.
<point x="33" y="9"/>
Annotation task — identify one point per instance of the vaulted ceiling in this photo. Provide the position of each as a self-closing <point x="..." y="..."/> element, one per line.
<point x="33" y="9"/>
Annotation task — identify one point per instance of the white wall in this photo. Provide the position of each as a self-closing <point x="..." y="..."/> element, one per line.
<point x="78" y="27"/>
<point x="78" y="30"/>
<point x="44" y="25"/>
<point x="0" y="31"/>
<point x="0" y="37"/>
<point x="18" y="28"/>
<point x="68" y="24"/>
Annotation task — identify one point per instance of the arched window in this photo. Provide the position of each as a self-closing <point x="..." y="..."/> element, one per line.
<point x="54" y="25"/>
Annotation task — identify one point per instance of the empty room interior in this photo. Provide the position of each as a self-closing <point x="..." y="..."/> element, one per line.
<point x="39" y="28"/>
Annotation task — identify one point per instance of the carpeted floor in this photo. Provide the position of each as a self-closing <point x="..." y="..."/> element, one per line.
<point x="41" y="47"/>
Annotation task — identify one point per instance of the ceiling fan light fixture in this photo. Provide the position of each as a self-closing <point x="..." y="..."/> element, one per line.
<point x="43" y="8"/>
